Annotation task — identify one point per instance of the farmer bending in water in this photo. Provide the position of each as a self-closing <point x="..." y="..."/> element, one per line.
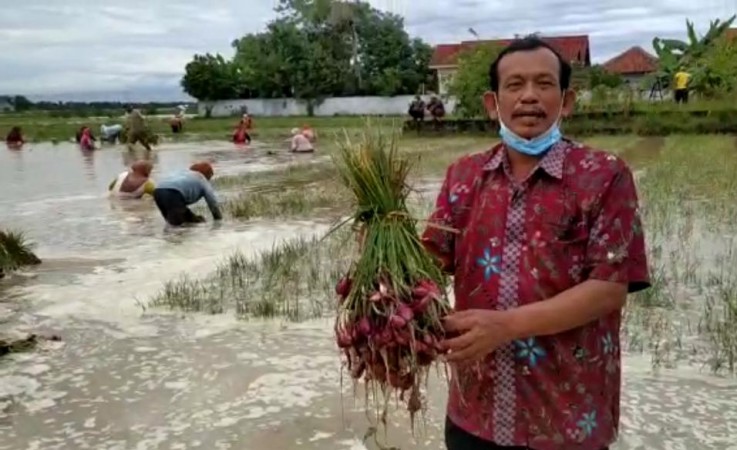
<point x="15" y="138"/>
<point x="133" y="183"/>
<point x="177" y="191"/>
<point x="300" y="143"/>
<point x="136" y="128"/>
<point x="549" y="243"/>
<point x="241" y="135"/>
<point x="309" y="133"/>
<point x="110" y="133"/>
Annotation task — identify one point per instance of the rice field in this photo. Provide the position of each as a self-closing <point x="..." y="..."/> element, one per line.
<point x="686" y="185"/>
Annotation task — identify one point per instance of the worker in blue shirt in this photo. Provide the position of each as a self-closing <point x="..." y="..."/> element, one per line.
<point x="174" y="194"/>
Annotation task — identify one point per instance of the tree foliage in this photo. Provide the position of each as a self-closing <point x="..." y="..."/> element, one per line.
<point x="320" y="48"/>
<point x="471" y="80"/>
<point x="597" y="76"/>
<point x="700" y="55"/>
<point x="716" y="72"/>
<point x="21" y="103"/>
<point x="212" y="77"/>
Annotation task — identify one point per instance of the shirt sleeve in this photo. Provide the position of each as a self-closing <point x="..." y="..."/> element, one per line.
<point x="616" y="246"/>
<point x="438" y="241"/>
<point x="211" y="199"/>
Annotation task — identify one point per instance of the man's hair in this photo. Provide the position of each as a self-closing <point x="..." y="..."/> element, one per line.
<point x="526" y="44"/>
<point x="203" y="167"/>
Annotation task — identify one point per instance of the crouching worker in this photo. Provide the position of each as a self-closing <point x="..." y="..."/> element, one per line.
<point x="174" y="194"/>
<point x="300" y="142"/>
<point x="15" y="138"/>
<point x="135" y="183"/>
<point x="241" y="135"/>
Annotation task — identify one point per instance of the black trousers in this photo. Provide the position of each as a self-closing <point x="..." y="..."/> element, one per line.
<point x="174" y="209"/>
<point x="458" y="439"/>
<point x="681" y="95"/>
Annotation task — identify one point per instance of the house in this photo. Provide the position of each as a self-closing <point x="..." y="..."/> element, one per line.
<point x="6" y="105"/>
<point x="445" y="56"/>
<point x="731" y="34"/>
<point x="634" y="64"/>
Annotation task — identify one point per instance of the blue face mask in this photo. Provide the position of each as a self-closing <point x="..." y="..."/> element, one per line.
<point x="536" y="146"/>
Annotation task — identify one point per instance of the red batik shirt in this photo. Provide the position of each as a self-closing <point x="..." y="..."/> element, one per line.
<point x="575" y="218"/>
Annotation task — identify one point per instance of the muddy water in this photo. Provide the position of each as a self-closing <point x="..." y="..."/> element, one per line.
<point x="127" y="379"/>
<point x="58" y="194"/>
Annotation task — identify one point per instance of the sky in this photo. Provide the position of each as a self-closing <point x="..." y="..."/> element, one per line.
<point x="136" y="50"/>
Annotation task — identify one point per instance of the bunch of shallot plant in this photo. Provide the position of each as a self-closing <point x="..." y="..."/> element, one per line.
<point x="392" y="300"/>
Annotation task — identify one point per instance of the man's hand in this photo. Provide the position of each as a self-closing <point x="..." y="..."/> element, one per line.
<point x="481" y="332"/>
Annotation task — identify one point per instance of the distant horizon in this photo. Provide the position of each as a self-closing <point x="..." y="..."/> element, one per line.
<point x="153" y="94"/>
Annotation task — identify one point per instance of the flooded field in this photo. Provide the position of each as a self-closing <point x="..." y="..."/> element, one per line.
<point x="216" y="337"/>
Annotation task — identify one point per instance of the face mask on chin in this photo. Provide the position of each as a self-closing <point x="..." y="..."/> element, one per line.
<point x="536" y="146"/>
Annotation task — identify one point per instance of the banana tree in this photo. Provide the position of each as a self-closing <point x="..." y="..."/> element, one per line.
<point x="674" y="54"/>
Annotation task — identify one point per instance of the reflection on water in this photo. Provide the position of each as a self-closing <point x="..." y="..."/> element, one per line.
<point x="57" y="194"/>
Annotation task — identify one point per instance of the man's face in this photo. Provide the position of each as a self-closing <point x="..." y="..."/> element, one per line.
<point x="529" y="100"/>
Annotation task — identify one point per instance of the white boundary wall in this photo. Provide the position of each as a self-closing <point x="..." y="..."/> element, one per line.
<point x="338" y="106"/>
<point x="342" y="106"/>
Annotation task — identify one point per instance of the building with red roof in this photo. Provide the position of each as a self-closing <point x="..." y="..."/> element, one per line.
<point x="444" y="59"/>
<point x="633" y="65"/>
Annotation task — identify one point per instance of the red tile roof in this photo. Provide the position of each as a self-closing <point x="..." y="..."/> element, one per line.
<point x="572" y="48"/>
<point x="632" y="61"/>
<point x="731" y="33"/>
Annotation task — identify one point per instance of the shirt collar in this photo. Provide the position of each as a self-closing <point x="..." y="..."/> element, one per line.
<point x="551" y="162"/>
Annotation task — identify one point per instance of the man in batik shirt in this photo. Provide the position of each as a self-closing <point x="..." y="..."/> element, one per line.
<point x="549" y="244"/>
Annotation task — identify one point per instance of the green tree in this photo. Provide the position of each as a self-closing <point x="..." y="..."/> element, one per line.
<point x="21" y="103"/>
<point x="598" y="76"/>
<point x="291" y="61"/>
<point x="321" y="48"/>
<point x="391" y="63"/>
<point x="211" y="77"/>
<point x="715" y="73"/>
<point x="472" y="80"/>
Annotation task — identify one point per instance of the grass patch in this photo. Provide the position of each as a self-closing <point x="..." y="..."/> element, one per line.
<point x="308" y="199"/>
<point x="293" y="174"/>
<point x="15" y="252"/>
<point x="293" y="280"/>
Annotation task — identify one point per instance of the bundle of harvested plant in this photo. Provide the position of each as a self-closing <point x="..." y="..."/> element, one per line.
<point x="148" y="134"/>
<point x="392" y="300"/>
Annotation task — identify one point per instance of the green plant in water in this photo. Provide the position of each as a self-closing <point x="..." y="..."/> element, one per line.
<point x="293" y="280"/>
<point x="287" y="203"/>
<point x="15" y="251"/>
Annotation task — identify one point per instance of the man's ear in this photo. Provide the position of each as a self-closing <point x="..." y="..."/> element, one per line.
<point x="569" y="103"/>
<point x="491" y="105"/>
